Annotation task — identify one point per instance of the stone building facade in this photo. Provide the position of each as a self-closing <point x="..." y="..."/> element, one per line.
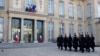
<point x="30" y="19"/>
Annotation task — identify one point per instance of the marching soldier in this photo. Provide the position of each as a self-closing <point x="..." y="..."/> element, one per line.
<point x="70" y="42"/>
<point x="58" y="42"/>
<point x="75" y="42"/>
<point x="61" y="42"/>
<point x="82" y="43"/>
<point x="87" y="40"/>
<point x="79" y="40"/>
<point x="92" y="42"/>
<point x="65" y="42"/>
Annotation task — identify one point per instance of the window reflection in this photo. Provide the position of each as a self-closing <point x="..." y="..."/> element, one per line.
<point x="16" y="29"/>
<point x="28" y="31"/>
<point x="39" y="30"/>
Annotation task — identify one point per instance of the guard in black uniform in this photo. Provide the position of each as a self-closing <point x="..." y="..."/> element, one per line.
<point x="75" y="42"/>
<point x="58" y="42"/>
<point x="82" y="43"/>
<point x="65" y="42"/>
<point x="61" y="42"/>
<point x="92" y="43"/>
<point x="88" y="40"/>
<point x="70" y="42"/>
<point x="79" y="40"/>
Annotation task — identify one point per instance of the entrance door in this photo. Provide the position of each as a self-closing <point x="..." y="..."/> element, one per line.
<point x="28" y="31"/>
<point x="40" y="31"/>
<point x="16" y="29"/>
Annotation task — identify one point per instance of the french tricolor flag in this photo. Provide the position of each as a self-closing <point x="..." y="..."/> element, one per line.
<point x="31" y="8"/>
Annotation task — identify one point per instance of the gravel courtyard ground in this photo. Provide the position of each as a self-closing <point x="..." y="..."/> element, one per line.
<point x="40" y="49"/>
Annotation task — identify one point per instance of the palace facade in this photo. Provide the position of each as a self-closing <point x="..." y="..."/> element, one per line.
<point x="30" y="19"/>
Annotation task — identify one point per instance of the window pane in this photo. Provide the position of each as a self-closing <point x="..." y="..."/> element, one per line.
<point x="1" y="2"/>
<point x="61" y="8"/>
<point x="80" y="29"/>
<point x="71" y="29"/>
<point x="1" y="36"/>
<point x="50" y="6"/>
<point x="98" y="10"/>
<point x="51" y="31"/>
<point x="61" y="29"/>
<point x="1" y="24"/>
<point x="1" y="29"/>
<point x="71" y="10"/>
<point x="89" y="11"/>
<point x="79" y="12"/>
<point x="89" y="29"/>
<point x="28" y="3"/>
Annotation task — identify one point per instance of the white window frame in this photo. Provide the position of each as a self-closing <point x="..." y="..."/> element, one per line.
<point x="89" y="29"/>
<point x="98" y="7"/>
<point x="1" y="4"/>
<point x="1" y="30"/>
<point x="89" y="11"/>
<point x="71" y="29"/>
<point x="79" y="12"/>
<point x="50" y="7"/>
<point x="71" y="10"/>
<point x="50" y="31"/>
<point x="61" y="8"/>
<point x="61" y="29"/>
<point x="28" y="3"/>
<point x="80" y="29"/>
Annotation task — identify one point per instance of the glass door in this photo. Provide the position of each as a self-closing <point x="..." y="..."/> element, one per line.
<point x="16" y="29"/>
<point x="28" y="31"/>
<point x="40" y="31"/>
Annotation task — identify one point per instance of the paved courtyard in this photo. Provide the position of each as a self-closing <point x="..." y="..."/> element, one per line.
<point x="41" y="49"/>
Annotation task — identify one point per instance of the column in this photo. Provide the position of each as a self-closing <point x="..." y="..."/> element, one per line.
<point x="10" y="39"/>
<point x="45" y="32"/>
<point x="22" y="30"/>
<point x="35" y="31"/>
